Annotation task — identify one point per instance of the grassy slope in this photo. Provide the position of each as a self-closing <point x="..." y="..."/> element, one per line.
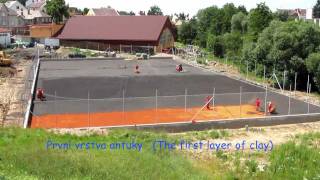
<point x="23" y="156"/>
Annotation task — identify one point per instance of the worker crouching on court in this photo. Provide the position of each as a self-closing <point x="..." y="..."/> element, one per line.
<point x="179" y="68"/>
<point x="137" y="69"/>
<point x="40" y="94"/>
<point x="271" y="108"/>
<point x="208" y="101"/>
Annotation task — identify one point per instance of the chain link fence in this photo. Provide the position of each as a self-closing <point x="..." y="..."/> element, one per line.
<point x="66" y="112"/>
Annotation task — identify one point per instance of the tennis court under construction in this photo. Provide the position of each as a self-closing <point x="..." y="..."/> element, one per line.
<point x="109" y="93"/>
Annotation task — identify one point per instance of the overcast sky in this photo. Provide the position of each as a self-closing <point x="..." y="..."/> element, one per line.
<point x="188" y="6"/>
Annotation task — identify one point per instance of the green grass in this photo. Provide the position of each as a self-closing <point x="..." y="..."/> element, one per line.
<point x="23" y="156"/>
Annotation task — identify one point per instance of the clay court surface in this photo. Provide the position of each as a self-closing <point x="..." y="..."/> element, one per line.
<point x="92" y="93"/>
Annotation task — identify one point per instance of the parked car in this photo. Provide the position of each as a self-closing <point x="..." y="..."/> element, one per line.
<point x="77" y="55"/>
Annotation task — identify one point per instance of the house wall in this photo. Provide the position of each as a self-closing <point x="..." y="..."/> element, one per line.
<point x="166" y="40"/>
<point x="10" y="21"/>
<point x="91" y="13"/>
<point x="5" y="39"/>
<point x="44" y="31"/>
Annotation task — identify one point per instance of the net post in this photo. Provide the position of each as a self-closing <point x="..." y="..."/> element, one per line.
<point x="185" y="99"/>
<point x="240" y="101"/>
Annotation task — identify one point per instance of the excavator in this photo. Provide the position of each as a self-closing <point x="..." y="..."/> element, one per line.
<point x="5" y="59"/>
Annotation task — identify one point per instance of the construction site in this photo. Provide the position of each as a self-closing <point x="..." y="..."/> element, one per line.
<point x="113" y="92"/>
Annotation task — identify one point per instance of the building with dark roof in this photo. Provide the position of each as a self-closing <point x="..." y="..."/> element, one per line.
<point x="118" y="31"/>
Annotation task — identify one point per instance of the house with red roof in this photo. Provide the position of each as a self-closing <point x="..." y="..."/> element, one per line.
<point x="118" y="32"/>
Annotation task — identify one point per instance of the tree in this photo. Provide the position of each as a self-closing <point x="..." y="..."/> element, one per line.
<point x="155" y="10"/>
<point x="259" y="18"/>
<point x="216" y="45"/>
<point x="125" y="13"/>
<point x="85" y="11"/>
<point x="181" y="16"/>
<point x="316" y="10"/>
<point x="243" y="10"/>
<point x="313" y="65"/>
<point x="57" y="9"/>
<point x="187" y="32"/>
<point x="239" y="23"/>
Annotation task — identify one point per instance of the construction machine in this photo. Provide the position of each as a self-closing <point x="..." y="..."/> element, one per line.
<point x="5" y="59"/>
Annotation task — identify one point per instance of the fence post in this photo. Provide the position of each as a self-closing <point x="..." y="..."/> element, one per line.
<point x="295" y="83"/>
<point x="289" y="107"/>
<point x="123" y="104"/>
<point x="247" y="70"/>
<point x="55" y="108"/>
<point x="255" y="68"/>
<point x="214" y="92"/>
<point x="265" y="101"/>
<point x="185" y="99"/>
<point x="284" y="80"/>
<point x="308" y="84"/>
<point x="88" y="110"/>
<point x="156" y="105"/>
<point x="120" y="48"/>
<point x="309" y="98"/>
<point x="264" y="74"/>
<point x="131" y="48"/>
<point x="240" y="101"/>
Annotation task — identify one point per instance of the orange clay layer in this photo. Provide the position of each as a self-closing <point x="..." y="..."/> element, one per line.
<point x="146" y="116"/>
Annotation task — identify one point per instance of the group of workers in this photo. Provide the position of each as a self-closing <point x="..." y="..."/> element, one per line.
<point x="271" y="108"/>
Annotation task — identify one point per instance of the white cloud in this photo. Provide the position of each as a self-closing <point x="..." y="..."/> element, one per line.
<point x="187" y="6"/>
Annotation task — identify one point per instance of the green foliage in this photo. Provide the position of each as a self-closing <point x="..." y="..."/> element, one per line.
<point x="57" y="9"/>
<point x="316" y="10"/>
<point x="187" y="32"/>
<point x="155" y="10"/>
<point x="85" y="11"/>
<point x="259" y="18"/>
<point x="239" y="23"/>
<point x="313" y="65"/>
<point x="125" y="13"/>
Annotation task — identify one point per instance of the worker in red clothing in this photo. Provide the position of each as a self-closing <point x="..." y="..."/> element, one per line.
<point x="208" y="102"/>
<point x="258" y="104"/>
<point x="179" y="68"/>
<point x="271" y="108"/>
<point x="40" y="94"/>
<point x="137" y="69"/>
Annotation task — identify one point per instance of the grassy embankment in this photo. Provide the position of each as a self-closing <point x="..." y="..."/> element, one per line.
<point x="23" y="155"/>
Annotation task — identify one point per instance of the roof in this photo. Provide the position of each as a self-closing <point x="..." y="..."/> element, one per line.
<point x="105" y="12"/>
<point x="127" y="28"/>
<point x="4" y="30"/>
<point x="294" y="12"/>
<point x="37" y="4"/>
<point x="10" y="12"/>
<point x="35" y="14"/>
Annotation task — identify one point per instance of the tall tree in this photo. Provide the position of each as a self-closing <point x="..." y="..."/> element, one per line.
<point x="259" y="18"/>
<point x="57" y="9"/>
<point x="182" y="16"/>
<point x="155" y="10"/>
<point x="316" y="10"/>
<point x="187" y="32"/>
<point x="85" y="11"/>
<point x="239" y="22"/>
